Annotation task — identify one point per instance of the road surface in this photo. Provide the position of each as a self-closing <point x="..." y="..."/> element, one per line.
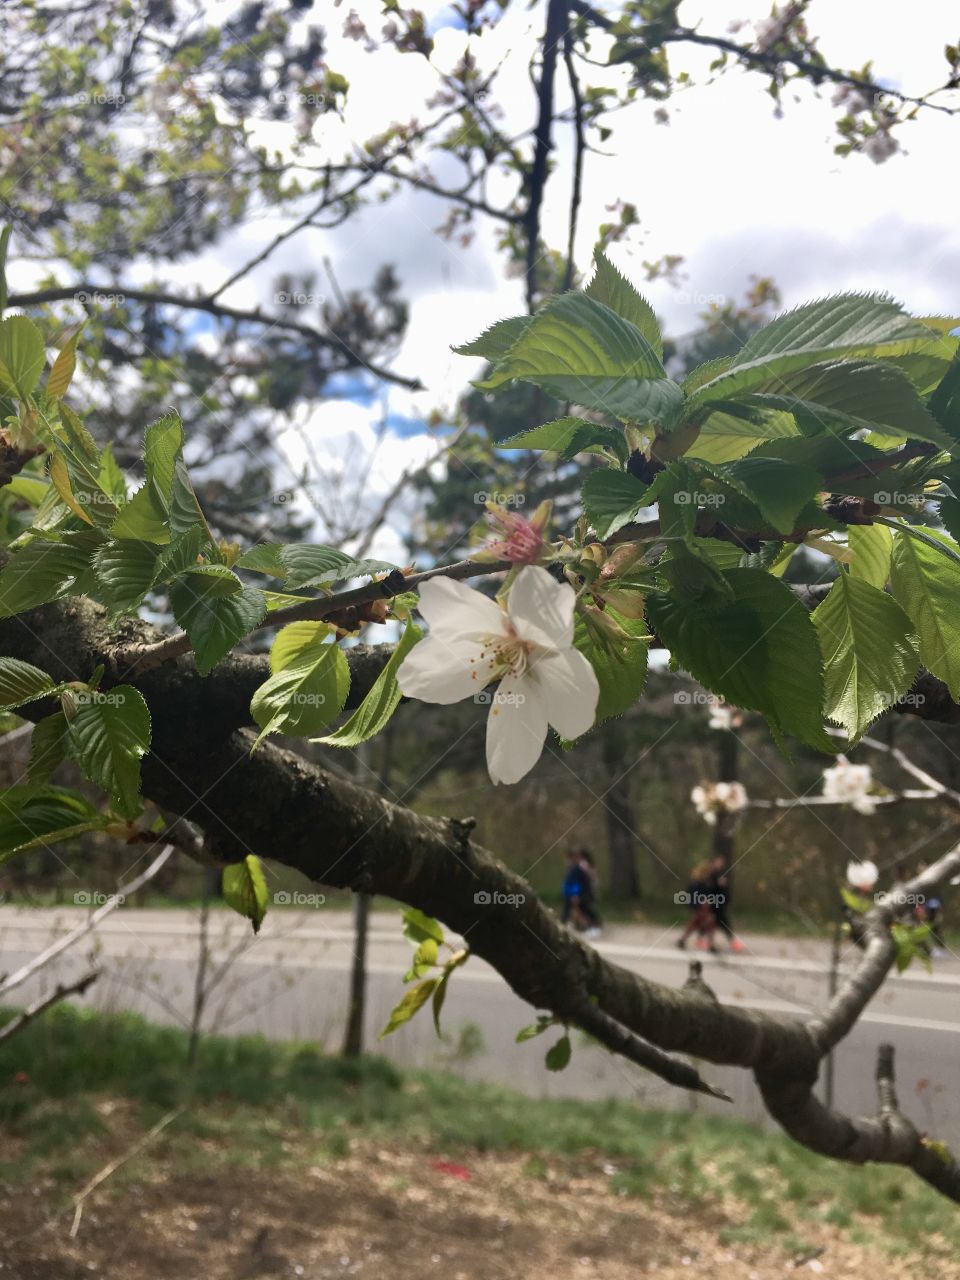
<point x="292" y="982"/>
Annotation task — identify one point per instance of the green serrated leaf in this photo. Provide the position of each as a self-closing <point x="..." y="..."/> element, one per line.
<point x="494" y="343"/>
<point x="869" y="653"/>
<point x="558" y="1055"/>
<point x="108" y="735"/>
<point x="872" y="546"/>
<point x="568" y="437"/>
<point x="20" y="682"/>
<point x="758" y="650"/>
<point x="779" y="489"/>
<point x="412" y="1003"/>
<point x="125" y="571"/>
<point x="34" y="817"/>
<point x="620" y="665"/>
<point x="43" y="571"/>
<point x="616" y="292"/>
<point x="48" y="747"/>
<point x="245" y="889"/>
<point x="22" y="356"/>
<point x="216" y="610"/>
<point x="612" y="499"/>
<point x="381" y="701"/>
<point x="577" y="349"/>
<point x="61" y="374"/>
<point x="926" y="584"/>
<point x="418" y="927"/>
<point x="308" y="683"/>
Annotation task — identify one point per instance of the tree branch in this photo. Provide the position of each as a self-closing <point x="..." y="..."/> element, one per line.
<point x="60" y="992"/>
<point x="210" y="306"/>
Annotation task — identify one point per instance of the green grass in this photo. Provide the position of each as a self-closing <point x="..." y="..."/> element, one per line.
<point x="251" y="1098"/>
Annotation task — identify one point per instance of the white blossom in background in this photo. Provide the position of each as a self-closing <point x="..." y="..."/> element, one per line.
<point x="723" y="716"/>
<point x="863" y="875"/>
<point x="713" y="798"/>
<point x="850" y="784"/>
<point x="528" y="646"/>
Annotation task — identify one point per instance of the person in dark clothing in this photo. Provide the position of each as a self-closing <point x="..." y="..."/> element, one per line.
<point x="720" y="889"/>
<point x="574" y="888"/>
<point x="702" y="920"/>
<point x="588" y="897"/>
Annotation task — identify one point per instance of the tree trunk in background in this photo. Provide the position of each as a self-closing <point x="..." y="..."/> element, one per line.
<point x="618" y="806"/>
<point x="727" y="771"/>
<point x="353" y="1032"/>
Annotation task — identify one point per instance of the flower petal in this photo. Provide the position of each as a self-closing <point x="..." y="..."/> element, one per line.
<point x="444" y="670"/>
<point x="541" y="608"/>
<point x="569" y="689"/>
<point x="454" y="609"/>
<point x="516" y="729"/>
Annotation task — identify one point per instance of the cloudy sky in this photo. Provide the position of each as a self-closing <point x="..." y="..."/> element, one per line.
<point x="726" y="184"/>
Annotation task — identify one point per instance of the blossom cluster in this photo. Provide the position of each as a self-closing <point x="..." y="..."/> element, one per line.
<point x="850" y="784"/>
<point x="713" y="798"/>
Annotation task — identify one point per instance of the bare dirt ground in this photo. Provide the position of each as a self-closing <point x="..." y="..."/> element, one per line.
<point x="387" y="1212"/>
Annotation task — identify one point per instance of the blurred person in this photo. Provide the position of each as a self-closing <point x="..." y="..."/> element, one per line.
<point x="575" y="885"/>
<point x="588" y="896"/>
<point x="702" y="920"/>
<point x="720" y="888"/>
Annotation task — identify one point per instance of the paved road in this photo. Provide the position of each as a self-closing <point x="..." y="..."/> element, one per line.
<point x="292" y="982"/>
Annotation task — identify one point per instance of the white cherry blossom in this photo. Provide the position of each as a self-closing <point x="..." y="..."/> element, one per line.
<point x="528" y="647"/>
<point x="850" y="784"/>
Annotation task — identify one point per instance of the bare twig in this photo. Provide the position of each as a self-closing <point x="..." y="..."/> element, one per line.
<point x="63" y="944"/>
<point x="60" y="992"/>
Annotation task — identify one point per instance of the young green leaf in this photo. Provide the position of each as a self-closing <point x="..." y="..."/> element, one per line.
<point x="616" y="292"/>
<point x="578" y="349"/>
<point x="125" y="571"/>
<point x="418" y="927"/>
<point x="926" y="584"/>
<point x="869" y="653"/>
<point x="568" y="437"/>
<point x="62" y="372"/>
<point x="48" y="746"/>
<point x="33" y="817"/>
<point x="20" y="682"/>
<point x="412" y="1003"/>
<point x="558" y="1055"/>
<point x="494" y="343"/>
<point x="44" y="570"/>
<point x="308" y="683"/>
<point x="612" y="499"/>
<point x="216" y="610"/>
<point x="22" y="356"/>
<point x="245" y="889"/>
<point x="381" y="702"/>
<point x="872" y="547"/>
<point x="108" y="735"/>
<point x="440" y="990"/>
<point x="758" y="650"/>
